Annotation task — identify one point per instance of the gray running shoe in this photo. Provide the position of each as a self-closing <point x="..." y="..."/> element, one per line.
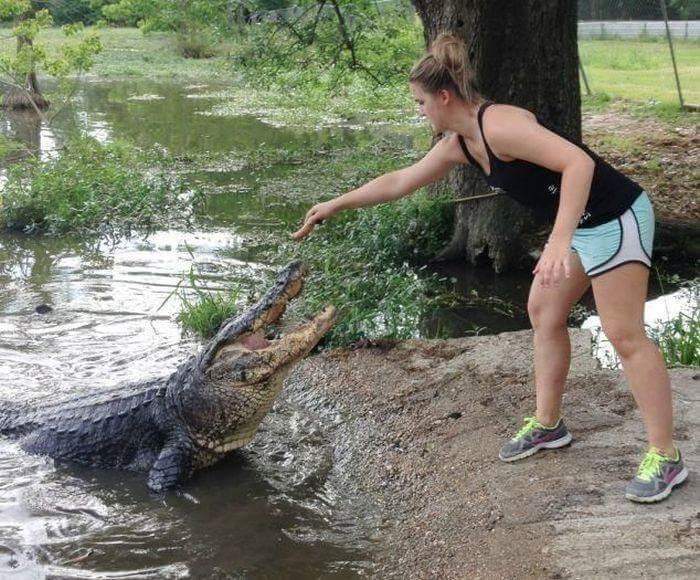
<point x="532" y="437"/>
<point x="656" y="477"/>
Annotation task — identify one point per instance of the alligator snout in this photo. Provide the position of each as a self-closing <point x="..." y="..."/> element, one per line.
<point x="227" y="354"/>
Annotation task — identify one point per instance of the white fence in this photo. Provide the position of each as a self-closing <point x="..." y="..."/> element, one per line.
<point x="680" y="29"/>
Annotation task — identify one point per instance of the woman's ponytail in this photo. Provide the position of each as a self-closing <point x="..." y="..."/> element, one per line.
<point x="446" y="66"/>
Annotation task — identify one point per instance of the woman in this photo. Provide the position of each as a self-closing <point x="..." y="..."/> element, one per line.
<point x="602" y="237"/>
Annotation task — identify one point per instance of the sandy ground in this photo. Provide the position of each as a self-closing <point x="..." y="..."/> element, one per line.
<point x="417" y="426"/>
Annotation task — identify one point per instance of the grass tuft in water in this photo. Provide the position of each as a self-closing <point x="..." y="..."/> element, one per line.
<point x="203" y="310"/>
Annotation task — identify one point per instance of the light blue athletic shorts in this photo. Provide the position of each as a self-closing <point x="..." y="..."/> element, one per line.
<point x="628" y="238"/>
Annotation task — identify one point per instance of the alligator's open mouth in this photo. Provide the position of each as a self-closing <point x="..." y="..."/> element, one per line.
<point x="264" y="331"/>
<point x="259" y="327"/>
<point x="271" y="334"/>
<point x="254" y="341"/>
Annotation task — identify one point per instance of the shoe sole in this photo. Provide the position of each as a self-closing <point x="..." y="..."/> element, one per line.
<point x="561" y="442"/>
<point x="680" y="478"/>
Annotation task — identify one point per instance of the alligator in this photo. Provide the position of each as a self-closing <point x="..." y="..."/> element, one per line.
<point x="170" y="427"/>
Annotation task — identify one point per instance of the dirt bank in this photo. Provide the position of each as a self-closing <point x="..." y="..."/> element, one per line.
<point x="662" y="156"/>
<point x="417" y="427"/>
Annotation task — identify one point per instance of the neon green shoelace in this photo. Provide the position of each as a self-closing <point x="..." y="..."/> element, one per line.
<point x="530" y="424"/>
<point x="651" y="465"/>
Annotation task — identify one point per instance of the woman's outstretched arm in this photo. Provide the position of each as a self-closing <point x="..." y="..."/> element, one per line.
<point x="388" y="187"/>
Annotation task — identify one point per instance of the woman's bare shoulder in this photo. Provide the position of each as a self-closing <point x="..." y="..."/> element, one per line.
<point x="503" y="111"/>
<point x="504" y="123"/>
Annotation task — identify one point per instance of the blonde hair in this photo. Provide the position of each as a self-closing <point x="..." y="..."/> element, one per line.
<point x="446" y="66"/>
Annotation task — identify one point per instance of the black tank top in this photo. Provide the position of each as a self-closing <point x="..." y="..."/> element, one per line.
<point x="537" y="187"/>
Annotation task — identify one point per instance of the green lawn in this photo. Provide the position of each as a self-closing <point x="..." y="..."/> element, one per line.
<point x="642" y="70"/>
<point x="130" y="53"/>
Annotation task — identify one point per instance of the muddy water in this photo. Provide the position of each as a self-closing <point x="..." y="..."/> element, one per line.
<point x="251" y="516"/>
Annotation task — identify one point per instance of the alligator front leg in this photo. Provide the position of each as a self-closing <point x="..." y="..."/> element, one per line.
<point x="174" y="464"/>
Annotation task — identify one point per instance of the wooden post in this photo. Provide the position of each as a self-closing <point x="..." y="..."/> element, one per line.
<point x="583" y="74"/>
<point x="670" y="46"/>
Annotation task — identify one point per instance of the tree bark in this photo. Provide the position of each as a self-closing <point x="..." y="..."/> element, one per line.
<point x="524" y="53"/>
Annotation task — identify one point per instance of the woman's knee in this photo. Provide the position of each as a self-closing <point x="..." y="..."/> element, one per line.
<point x="626" y="339"/>
<point x="546" y="317"/>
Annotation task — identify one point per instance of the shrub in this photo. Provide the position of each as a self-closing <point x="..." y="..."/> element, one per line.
<point x="93" y="188"/>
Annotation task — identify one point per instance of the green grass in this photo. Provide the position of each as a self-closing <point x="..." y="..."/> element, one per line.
<point x="679" y="338"/>
<point x="642" y="70"/>
<point x="128" y="52"/>
<point x="364" y="262"/>
<point x="667" y="112"/>
<point x="202" y="311"/>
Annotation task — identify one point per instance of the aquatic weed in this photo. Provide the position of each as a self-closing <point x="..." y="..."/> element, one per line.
<point x="203" y="309"/>
<point x="94" y="189"/>
<point x="679" y="337"/>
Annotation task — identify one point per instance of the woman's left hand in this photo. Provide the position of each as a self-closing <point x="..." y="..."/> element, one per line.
<point x="554" y="263"/>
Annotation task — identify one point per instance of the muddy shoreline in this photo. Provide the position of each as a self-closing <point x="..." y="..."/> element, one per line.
<point x="416" y="426"/>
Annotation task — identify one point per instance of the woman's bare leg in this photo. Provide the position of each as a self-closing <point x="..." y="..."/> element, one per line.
<point x="549" y="309"/>
<point x="619" y="296"/>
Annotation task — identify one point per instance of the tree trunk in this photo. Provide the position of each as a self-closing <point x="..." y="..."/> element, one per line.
<point x="524" y="53"/>
<point x="29" y="96"/>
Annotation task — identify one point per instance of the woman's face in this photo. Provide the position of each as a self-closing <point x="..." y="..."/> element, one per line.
<point x="430" y="105"/>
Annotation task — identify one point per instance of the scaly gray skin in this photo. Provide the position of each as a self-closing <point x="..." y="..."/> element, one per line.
<point x="211" y="404"/>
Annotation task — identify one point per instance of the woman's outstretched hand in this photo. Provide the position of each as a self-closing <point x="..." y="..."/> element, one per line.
<point x="554" y="263"/>
<point x="315" y="215"/>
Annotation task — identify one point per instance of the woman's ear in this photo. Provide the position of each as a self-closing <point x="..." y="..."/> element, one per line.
<point x="445" y="96"/>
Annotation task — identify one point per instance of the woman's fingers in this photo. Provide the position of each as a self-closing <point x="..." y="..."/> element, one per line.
<point x="304" y="231"/>
<point x="545" y="276"/>
<point x="556" y="272"/>
<point x="551" y="271"/>
<point x="309" y="225"/>
<point x="548" y="274"/>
